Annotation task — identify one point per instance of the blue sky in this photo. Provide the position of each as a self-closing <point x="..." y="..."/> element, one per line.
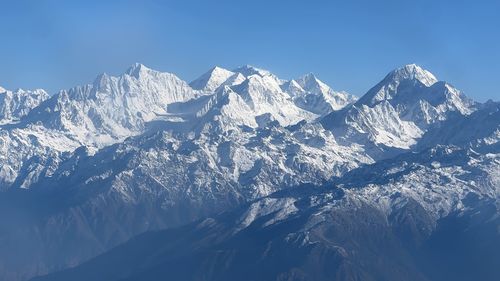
<point x="350" y="45"/>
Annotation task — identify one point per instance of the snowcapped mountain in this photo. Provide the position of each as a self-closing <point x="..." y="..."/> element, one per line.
<point x="312" y="94"/>
<point x="248" y="70"/>
<point x="395" y="113"/>
<point x="96" y="115"/>
<point x="177" y="149"/>
<point x="263" y="95"/>
<point x="391" y="220"/>
<point x="215" y="78"/>
<point x="418" y="96"/>
<point x="431" y="211"/>
<point x="113" y="108"/>
<point x="101" y="163"/>
<point x="476" y="130"/>
<point x="396" y="82"/>
<point x="14" y="144"/>
<point x="16" y="104"/>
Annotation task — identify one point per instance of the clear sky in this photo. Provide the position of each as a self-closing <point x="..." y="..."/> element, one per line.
<point x="350" y="45"/>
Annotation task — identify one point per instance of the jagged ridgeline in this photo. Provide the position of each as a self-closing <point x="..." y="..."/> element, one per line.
<point x="249" y="177"/>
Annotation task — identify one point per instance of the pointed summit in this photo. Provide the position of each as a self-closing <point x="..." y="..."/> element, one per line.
<point x="137" y="70"/>
<point x="401" y="83"/>
<point x="412" y="72"/>
<point x="2" y="90"/>
<point x="311" y="83"/>
<point x="212" y="79"/>
<point x="318" y="97"/>
<point x="400" y="109"/>
<point x="248" y="70"/>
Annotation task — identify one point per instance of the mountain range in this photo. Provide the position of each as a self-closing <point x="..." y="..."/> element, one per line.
<point x="241" y="175"/>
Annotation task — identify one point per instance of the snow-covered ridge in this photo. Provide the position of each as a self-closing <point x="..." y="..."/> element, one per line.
<point x="397" y="111"/>
<point x="248" y="70"/>
<point x="113" y="108"/>
<point x="389" y="88"/>
<point x="212" y="80"/>
<point x="391" y="116"/>
<point x="312" y="94"/>
<point x="17" y="104"/>
<point x="145" y="150"/>
<point x="413" y="71"/>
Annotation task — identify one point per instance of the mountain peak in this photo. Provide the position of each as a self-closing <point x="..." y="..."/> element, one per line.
<point x="309" y="75"/>
<point x="310" y="81"/>
<point x="212" y="79"/>
<point x="412" y="72"/>
<point x="18" y="103"/>
<point x="401" y="82"/>
<point x="101" y="80"/>
<point x="248" y="70"/>
<point x="218" y="69"/>
<point x="137" y="70"/>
